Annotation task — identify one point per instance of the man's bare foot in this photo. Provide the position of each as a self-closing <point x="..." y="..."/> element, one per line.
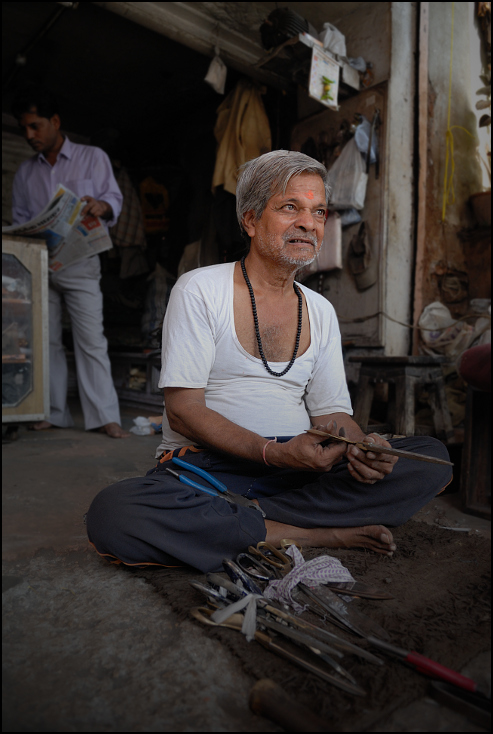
<point x="42" y="426"/>
<point x="375" y="537"/>
<point x="114" y="431"/>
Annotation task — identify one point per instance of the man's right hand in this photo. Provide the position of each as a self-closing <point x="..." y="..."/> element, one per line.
<point x="305" y="452"/>
<point x="97" y="207"/>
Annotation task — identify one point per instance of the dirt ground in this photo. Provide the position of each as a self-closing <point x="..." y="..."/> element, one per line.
<point x="441" y="608"/>
<point x="93" y="647"/>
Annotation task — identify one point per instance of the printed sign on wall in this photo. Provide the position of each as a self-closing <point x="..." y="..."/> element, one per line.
<point x="324" y="78"/>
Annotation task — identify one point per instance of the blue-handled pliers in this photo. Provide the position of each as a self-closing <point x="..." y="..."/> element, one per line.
<point x="220" y="489"/>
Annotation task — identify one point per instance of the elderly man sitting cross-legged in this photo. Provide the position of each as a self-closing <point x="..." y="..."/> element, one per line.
<point x="249" y="356"/>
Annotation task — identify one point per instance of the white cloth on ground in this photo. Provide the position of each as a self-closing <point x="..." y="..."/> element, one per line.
<point x="249" y="603"/>
<point x="320" y="570"/>
<point x="201" y="350"/>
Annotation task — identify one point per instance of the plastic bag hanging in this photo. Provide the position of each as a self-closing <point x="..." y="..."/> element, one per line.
<point x="348" y="179"/>
<point x="216" y="74"/>
<point x="333" y="40"/>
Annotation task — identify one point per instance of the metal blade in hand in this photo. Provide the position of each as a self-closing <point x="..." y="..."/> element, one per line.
<point x="401" y="453"/>
<point x="365" y="446"/>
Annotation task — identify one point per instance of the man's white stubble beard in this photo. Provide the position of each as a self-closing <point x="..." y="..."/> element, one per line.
<point x="267" y="245"/>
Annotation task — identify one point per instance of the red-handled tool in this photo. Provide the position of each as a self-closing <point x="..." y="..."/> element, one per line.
<point x="425" y="665"/>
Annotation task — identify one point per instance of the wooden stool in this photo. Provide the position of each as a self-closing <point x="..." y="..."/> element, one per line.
<point x="404" y="373"/>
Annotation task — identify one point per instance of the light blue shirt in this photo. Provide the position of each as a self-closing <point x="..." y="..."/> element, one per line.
<point x="84" y="169"/>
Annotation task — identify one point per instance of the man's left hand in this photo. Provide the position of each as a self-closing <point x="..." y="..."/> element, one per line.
<point x="97" y="207"/>
<point x="368" y="467"/>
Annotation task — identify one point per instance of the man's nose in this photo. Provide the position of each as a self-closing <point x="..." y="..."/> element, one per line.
<point x="28" y="134"/>
<point x="305" y="219"/>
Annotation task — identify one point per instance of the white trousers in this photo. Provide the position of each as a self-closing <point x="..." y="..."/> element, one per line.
<point x="78" y="286"/>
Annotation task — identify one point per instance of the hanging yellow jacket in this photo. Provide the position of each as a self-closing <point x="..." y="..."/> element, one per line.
<point x="242" y="132"/>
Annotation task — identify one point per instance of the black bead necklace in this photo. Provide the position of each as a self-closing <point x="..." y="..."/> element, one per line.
<point x="257" y="330"/>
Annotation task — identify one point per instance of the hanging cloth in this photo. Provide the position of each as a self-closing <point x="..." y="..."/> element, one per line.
<point x="242" y="132"/>
<point x="129" y="229"/>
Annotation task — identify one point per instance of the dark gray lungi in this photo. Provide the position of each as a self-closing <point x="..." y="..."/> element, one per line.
<point x="158" y="519"/>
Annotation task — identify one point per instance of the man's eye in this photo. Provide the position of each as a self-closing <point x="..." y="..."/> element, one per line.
<point x="289" y="206"/>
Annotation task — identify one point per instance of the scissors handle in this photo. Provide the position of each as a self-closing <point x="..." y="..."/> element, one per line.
<point x="287" y="543"/>
<point x="276" y="558"/>
<point x="201" y="473"/>
<point x="254" y="568"/>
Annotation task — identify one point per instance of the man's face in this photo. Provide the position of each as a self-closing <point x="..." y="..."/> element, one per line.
<point x="41" y="133"/>
<point x="291" y="228"/>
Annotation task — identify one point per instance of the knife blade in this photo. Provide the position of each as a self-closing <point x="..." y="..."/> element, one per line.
<point x="365" y="446"/>
<point x="340" y="611"/>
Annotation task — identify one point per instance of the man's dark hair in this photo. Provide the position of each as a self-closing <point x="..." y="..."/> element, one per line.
<point x="33" y="97"/>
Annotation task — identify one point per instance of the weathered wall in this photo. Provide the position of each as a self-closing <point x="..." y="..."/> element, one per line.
<point x="385" y="35"/>
<point x="443" y="254"/>
<point x="368" y="34"/>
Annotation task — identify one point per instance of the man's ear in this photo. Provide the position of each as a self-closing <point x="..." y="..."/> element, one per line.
<point x="55" y="121"/>
<point x="249" y="221"/>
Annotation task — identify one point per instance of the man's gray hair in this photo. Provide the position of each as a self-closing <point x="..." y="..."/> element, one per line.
<point x="268" y="175"/>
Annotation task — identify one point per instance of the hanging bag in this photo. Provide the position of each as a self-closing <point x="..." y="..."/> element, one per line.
<point x="348" y="179"/>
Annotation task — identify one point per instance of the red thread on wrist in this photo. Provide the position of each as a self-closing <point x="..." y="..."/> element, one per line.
<point x="272" y="440"/>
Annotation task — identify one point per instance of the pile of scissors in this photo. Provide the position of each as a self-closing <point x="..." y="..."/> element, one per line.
<point x="311" y="647"/>
<point x="305" y="644"/>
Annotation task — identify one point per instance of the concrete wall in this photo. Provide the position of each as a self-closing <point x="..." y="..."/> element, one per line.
<point x="368" y="34"/>
<point x="398" y="255"/>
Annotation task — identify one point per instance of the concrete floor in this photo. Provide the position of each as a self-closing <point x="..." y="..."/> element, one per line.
<point x="86" y="649"/>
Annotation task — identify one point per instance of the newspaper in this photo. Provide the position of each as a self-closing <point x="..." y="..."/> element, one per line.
<point x="69" y="236"/>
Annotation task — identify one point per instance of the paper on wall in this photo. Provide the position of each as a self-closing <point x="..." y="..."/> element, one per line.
<point x="324" y="78"/>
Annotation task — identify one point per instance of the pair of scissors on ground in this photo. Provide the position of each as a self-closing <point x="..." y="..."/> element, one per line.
<point x="266" y="563"/>
<point x="219" y="489"/>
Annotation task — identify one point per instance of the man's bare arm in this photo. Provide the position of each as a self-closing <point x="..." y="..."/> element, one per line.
<point x="364" y="466"/>
<point x="188" y="414"/>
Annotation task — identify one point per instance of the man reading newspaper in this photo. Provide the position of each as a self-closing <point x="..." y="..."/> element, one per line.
<point x="87" y="172"/>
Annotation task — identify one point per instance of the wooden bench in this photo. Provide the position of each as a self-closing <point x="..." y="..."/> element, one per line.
<point x="403" y="374"/>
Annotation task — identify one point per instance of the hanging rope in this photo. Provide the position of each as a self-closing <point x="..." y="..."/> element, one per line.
<point x="448" y="179"/>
